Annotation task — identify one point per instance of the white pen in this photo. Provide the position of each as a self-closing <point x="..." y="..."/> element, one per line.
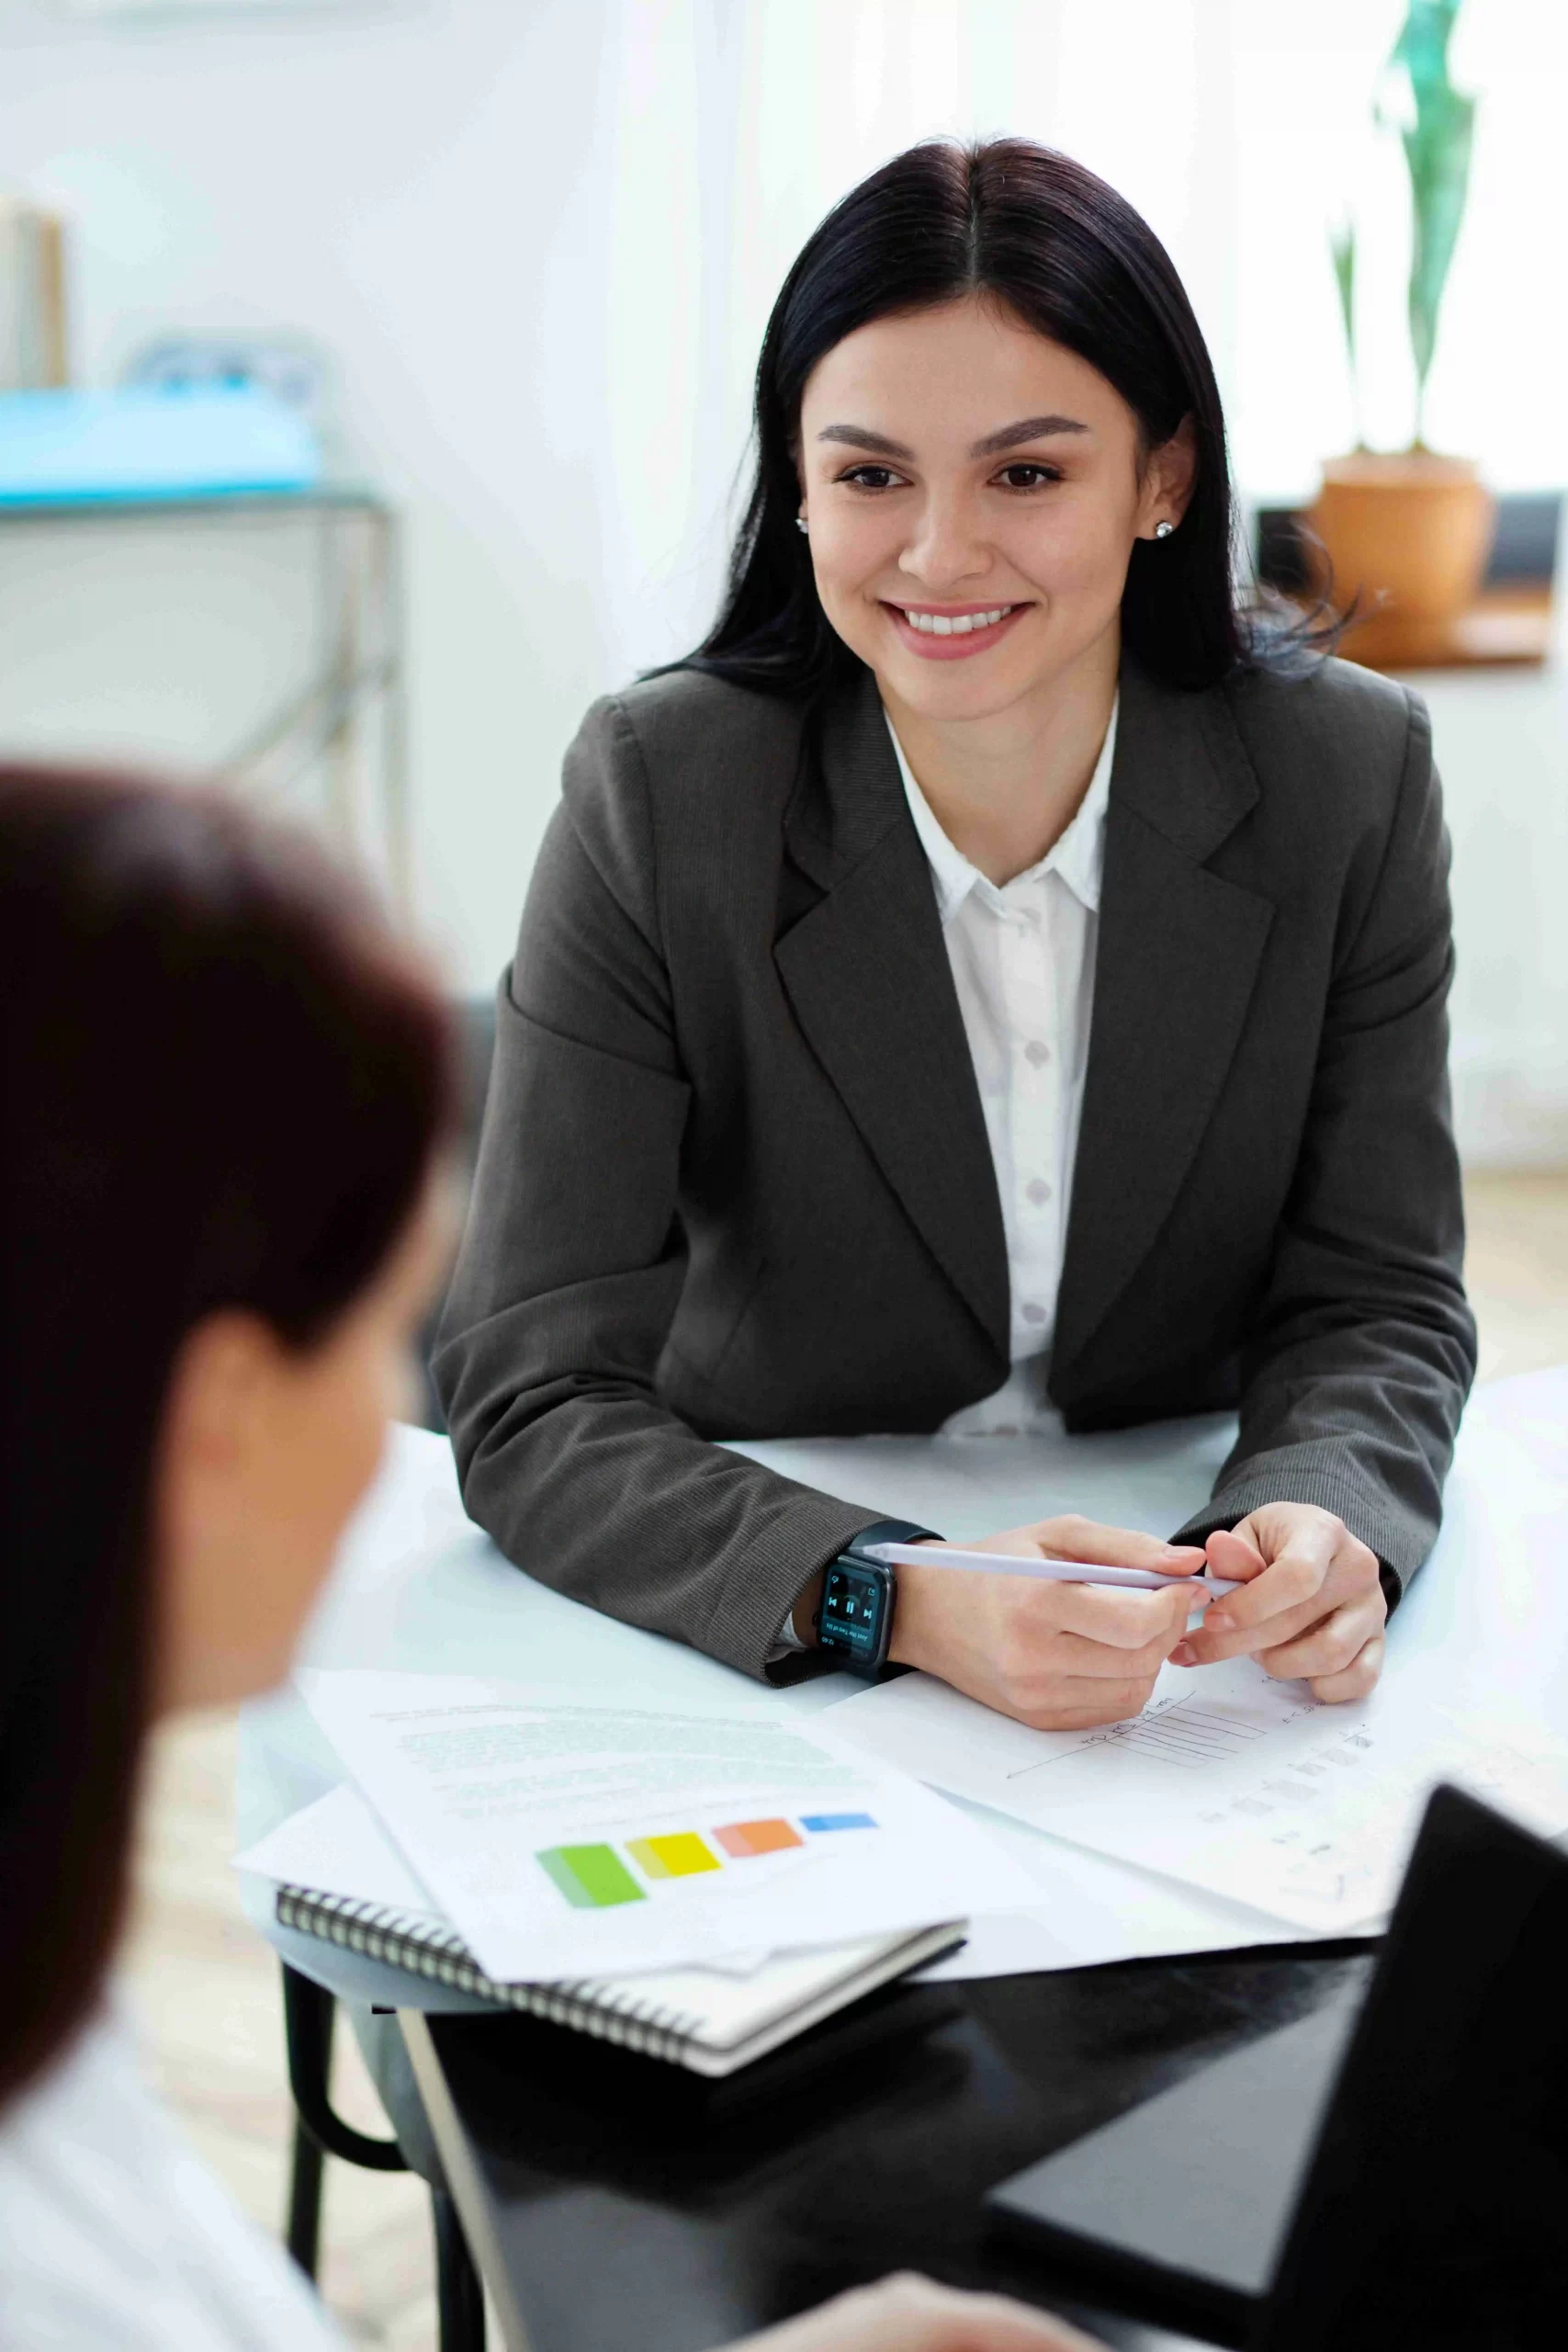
<point x="1009" y="1563"/>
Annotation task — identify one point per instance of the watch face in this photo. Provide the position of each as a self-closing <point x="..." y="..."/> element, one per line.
<point x="853" y="1602"/>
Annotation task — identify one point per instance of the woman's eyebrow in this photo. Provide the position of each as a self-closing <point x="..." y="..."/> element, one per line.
<point x="1028" y="428"/>
<point x="1010" y="436"/>
<point x="860" y="437"/>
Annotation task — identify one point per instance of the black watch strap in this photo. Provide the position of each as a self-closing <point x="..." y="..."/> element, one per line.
<point x="859" y="1595"/>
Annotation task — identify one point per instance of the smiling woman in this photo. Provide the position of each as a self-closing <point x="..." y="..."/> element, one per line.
<point x="998" y="979"/>
<point x="1042" y="245"/>
<point x="940" y="548"/>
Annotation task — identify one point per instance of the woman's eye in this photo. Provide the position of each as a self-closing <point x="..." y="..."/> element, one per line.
<point x="872" y="476"/>
<point x="1027" y="475"/>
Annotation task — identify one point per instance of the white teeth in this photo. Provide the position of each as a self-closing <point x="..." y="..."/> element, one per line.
<point x="956" y="624"/>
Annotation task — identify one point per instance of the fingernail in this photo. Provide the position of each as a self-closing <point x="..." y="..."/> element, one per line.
<point x="1182" y="1654"/>
<point x="1216" y="1621"/>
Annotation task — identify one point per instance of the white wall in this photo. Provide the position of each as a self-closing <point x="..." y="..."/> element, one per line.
<point x="425" y="190"/>
<point x="541" y="238"/>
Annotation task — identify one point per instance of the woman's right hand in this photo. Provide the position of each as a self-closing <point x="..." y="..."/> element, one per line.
<point x="908" y="2314"/>
<point x="1057" y="1656"/>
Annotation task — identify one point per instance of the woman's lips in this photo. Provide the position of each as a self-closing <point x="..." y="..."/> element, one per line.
<point x="952" y="648"/>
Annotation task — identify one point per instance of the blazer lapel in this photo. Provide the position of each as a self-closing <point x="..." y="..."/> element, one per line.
<point x="1178" y="959"/>
<point x="866" y="972"/>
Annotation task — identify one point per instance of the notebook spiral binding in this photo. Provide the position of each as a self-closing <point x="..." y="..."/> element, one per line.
<point x="611" y="2011"/>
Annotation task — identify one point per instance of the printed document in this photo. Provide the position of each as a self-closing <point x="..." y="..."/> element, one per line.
<point x="565" y="1838"/>
<point x="1228" y="1780"/>
<point x="337" y="1845"/>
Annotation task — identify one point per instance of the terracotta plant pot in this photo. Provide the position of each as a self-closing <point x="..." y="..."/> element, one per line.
<point x="1410" y="535"/>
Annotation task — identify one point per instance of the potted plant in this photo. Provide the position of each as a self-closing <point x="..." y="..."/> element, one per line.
<point x="1408" y="532"/>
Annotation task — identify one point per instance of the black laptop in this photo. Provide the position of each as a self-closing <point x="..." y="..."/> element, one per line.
<point x="1388" y="2172"/>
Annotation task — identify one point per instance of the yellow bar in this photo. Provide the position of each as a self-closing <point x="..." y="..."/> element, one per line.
<point x="682" y="1854"/>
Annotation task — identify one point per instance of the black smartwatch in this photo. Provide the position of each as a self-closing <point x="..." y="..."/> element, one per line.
<point x="854" y="1621"/>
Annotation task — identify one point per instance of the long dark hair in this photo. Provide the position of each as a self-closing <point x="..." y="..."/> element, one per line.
<point x="1036" y="231"/>
<point x="221" y="1084"/>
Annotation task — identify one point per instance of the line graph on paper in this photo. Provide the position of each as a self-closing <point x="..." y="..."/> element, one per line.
<point x="1199" y="1735"/>
<point x="1231" y="1781"/>
<point x="1252" y="1789"/>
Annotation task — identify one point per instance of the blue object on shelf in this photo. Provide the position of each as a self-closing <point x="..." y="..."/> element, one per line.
<point x="210" y="441"/>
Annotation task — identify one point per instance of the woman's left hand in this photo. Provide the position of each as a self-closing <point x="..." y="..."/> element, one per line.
<point x="1310" y="1607"/>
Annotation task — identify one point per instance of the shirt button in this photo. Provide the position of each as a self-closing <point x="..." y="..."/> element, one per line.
<point x="1032" y="1314"/>
<point x="1039" y="1191"/>
<point x="1036" y="1054"/>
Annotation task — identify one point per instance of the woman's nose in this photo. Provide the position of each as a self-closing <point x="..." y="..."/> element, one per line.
<point x="947" y="547"/>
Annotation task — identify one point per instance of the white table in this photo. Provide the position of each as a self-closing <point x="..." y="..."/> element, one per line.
<point x="419" y="1587"/>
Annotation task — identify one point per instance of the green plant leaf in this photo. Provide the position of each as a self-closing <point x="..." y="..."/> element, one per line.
<point x="1437" y="139"/>
<point x="1437" y="153"/>
<point x="1342" y="246"/>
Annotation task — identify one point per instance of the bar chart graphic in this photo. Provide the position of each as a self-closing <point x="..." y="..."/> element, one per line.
<point x="595" y="1877"/>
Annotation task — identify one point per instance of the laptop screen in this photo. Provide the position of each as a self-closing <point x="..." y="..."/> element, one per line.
<point x="1435" y="2210"/>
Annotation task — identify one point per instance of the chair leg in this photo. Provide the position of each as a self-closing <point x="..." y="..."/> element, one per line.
<point x="305" y="2170"/>
<point x="459" y="2298"/>
<point x="308" y="2011"/>
<point x="308" y="2014"/>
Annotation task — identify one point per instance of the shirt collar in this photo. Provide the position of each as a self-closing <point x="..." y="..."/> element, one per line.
<point x="1078" y="857"/>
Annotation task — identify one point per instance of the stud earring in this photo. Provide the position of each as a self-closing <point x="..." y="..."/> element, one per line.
<point x="1162" y="530"/>
<point x="801" y="523"/>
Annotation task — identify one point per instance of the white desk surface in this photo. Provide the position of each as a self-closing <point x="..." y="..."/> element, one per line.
<point x="419" y="1587"/>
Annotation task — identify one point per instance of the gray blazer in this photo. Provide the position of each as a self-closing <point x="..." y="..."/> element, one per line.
<point x="735" y="1181"/>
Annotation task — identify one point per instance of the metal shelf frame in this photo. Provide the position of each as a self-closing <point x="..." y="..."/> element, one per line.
<point x="349" y="716"/>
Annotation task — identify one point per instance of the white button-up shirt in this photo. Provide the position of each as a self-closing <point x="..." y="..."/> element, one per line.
<point x="1022" y="960"/>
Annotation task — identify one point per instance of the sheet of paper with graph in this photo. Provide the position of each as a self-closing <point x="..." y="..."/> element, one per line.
<point x="1228" y="1780"/>
<point x="567" y="1837"/>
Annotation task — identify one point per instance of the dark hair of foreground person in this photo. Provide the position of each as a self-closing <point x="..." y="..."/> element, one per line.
<point x="221" y="1084"/>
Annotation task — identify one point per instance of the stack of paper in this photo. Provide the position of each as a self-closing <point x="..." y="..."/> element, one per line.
<point x="563" y="1838"/>
<point x="1229" y="1781"/>
<point x="713" y="2019"/>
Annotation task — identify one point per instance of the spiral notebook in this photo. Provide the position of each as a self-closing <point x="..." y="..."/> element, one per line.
<point x="693" y="2017"/>
<point x="713" y="2022"/>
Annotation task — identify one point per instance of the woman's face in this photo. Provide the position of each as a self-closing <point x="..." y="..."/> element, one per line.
<point x="956" y="466"/>
<point x="265" y="1452"/>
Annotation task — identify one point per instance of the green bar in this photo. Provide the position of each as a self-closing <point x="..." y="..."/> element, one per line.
<point x="590" y="1877"/>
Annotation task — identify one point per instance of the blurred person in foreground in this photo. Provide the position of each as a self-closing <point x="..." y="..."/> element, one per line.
<point x="223" y="1093"/>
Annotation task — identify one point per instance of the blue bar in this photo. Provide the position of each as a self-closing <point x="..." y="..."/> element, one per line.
<point x="837" y="1821"/>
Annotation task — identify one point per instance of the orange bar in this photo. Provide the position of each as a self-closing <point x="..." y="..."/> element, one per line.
<point x="743" y="1838"/>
